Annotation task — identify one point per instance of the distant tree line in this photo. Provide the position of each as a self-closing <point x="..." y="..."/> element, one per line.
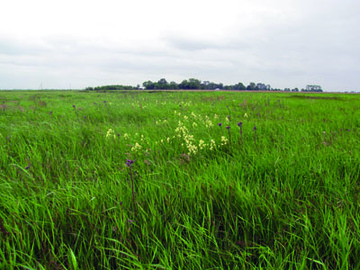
<point x="195" y="84"/>
<point x="112" y="87"/>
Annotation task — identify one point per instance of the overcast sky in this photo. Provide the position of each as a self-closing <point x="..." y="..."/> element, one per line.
<point x="77" y="43"/>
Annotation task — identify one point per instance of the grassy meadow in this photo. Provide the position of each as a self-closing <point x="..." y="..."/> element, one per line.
<point x="179" y="180"/>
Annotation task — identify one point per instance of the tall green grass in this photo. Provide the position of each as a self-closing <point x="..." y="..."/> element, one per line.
<point x="283" y="195"/>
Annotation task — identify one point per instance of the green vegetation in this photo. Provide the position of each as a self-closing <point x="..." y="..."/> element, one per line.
<point x="195" y="84"/>
<point x="138" y="180"/>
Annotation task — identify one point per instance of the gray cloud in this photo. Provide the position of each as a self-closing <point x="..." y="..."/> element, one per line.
<point x="284" y="44"/>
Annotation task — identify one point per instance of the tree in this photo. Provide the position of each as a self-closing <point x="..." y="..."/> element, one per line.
<point x="149" y="85"/>
<point x="162" y="84"/>
<point x="251" y="86"/>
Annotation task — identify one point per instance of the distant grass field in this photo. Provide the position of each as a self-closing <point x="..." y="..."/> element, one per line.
<point x="179" y="180"/>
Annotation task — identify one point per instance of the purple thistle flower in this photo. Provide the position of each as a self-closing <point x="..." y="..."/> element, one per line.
<point x="228" y="127"/>
<point x="219" y="124"/>
<point x="239" y="124"/>
<point x="254" y="127"/>
<point x="74" y="106"/>
<point x="129" y="162"/>
<point x="28" y="166"/>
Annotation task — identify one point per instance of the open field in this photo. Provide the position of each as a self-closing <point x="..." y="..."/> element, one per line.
<point x="138" y="180"/>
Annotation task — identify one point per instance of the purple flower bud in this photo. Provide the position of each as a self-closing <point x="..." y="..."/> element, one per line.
<point x="129" y="162"/>
<point x="228" y="127"/>
<point x="219" y="124"/>
<point x="74" y="106"/>
<point x="254" y="128"/>
<point x="240" y="124"/>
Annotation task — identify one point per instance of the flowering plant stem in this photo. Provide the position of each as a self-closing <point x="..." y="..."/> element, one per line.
<point x="129" y="163"/>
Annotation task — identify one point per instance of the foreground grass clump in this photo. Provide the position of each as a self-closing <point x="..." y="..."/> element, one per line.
<point x="138" y="180"/>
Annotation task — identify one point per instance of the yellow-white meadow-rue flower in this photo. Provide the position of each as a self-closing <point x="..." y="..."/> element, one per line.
<point x="208" y="123"/>
<point x="212" y="144"/>
<point x="185" y="117"/>
<point x="192" y="149"/>
<point x="194" y="124"/>
<point x="246" y="115"/>
<point x="224" y="140"/>
<point x="110" y="133"/>
<point x="168" y="139"/>
<point x="126" y="136"/>
<point x="136" y="147"/>
<point x="202" y="144"/>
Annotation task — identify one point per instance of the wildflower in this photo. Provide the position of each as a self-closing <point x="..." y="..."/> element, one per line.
<point x="74" y="106"/>
<point x="192" y="149"/>
<point x="228" y="127"/>
<point x="28" y="166"/>
<point x="129" y="162"/>
<point x="110" y="133"/>
<point x="212" y="144"/>
<point x="194" y="124"/>
<point x="202" y="144"/>
<point x="219" y="124"/>
<point x="126" y="136"/>
<point x="185" y="117"/>
<point x="208" y="123"/>
<point x="136" y="147"/>
<point x="246" y="115"/>
<point x="254" y="128"/>
<point x="240" y="125"/>
<point x="224" y="140"/>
